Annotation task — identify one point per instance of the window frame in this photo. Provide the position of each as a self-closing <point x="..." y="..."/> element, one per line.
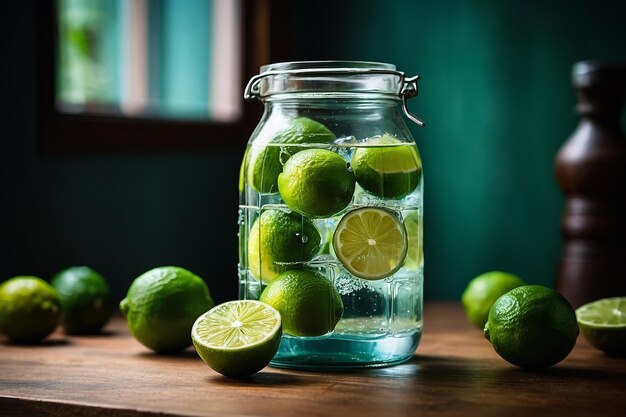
<point x="263" y="41"/>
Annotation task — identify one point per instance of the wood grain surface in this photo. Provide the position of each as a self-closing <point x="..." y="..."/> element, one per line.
<point x="455" y="372"/>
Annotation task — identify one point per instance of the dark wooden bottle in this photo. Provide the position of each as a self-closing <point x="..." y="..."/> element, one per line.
<point x="591" y="171"/>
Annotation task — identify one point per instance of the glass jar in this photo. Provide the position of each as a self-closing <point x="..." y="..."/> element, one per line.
<point x="330" y="216"/>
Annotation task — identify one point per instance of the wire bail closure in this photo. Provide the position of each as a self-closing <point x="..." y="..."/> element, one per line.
<point x="409" y="90"/>
<point x="409" y="84"/>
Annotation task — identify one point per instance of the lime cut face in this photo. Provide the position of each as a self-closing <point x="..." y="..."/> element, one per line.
<point x="370" y="242"/>
<point x="603" y="324"/>
<point x="237" y="338"/>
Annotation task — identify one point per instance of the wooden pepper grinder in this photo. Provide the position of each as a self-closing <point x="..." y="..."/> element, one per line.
<point x="591" y="171"/>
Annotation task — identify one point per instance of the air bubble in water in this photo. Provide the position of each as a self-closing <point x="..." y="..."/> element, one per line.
<point x="361" y="198"/>
<point x="347" y="284"/>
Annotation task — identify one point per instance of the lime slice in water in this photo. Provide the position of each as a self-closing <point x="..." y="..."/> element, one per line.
<point x="603" y="324"/>
<point x="237" y="338"/>
<point x="370" y="242"/>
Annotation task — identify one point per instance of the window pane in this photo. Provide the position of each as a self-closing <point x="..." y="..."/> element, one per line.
<point x="158" y="58"/>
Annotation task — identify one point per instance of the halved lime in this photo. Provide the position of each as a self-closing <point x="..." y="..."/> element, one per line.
<point x="237" y="338"/>
<point x="387" y="167"/>
<point x="370" y="242"/>
<point x="603" y="324"/>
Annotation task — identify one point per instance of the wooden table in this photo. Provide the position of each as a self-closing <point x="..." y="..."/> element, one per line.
<point x="455" y="373"/>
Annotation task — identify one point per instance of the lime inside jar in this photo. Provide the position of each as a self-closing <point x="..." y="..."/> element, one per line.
<point x="330" y="215"/>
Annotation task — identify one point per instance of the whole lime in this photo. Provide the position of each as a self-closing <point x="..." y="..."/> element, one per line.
<point x="316" y="183"/>
<point x="308" y="303"/>
<point x="532" y="326"/>
<point x="414" y="226"/>
<point x="264" y="157"/>
<point x="279" y="241"/>
<point x="387" y="167"/>
<point x="162" y="305"/>
<point x="29" y="309"/>
<point x="483" y="291"/>
<point x="86" y="300"/>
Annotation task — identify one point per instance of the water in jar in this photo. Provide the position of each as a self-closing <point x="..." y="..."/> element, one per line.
<point x="381" y="322"/>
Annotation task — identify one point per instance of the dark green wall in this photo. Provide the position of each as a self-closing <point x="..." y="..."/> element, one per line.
<point x="495" y="93"/>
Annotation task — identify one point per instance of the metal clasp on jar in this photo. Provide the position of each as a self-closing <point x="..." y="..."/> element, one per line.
<point x="409" y="84"/>
<point x="409" y="90"/>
